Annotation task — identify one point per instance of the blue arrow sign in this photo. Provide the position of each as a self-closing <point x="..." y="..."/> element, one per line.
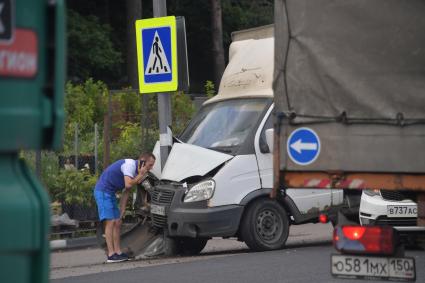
<point x="303" y="146"/>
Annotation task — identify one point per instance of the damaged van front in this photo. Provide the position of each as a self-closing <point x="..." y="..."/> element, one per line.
<point x="210" y="156"/>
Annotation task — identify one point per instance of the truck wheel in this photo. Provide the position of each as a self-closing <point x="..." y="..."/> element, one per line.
<point x="190" y="246"/>
<point x="265" y="226"/>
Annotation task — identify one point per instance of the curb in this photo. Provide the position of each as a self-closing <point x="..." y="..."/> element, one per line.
<point x="82" y="242"/>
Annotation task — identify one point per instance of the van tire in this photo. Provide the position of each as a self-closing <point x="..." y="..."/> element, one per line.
<point x="265" y="225"/>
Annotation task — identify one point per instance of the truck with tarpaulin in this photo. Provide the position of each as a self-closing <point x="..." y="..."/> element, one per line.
<point x="349" y="93"/>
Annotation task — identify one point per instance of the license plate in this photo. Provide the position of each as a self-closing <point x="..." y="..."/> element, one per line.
<point x="349" y="266"/>
<point x="402" y="210"/>
<point x="157" y="209"/>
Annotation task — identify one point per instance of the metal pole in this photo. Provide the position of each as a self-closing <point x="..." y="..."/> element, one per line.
<point x="143" y="125"/>
<point x="96" y="140"/>
<point x="76" y="145"/>
<point x="164" y="99"/>
<point x="159" y="8"/>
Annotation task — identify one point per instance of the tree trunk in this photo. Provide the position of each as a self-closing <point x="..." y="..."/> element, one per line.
<point x="134" y="12"/>
<point x="217" y="41"/>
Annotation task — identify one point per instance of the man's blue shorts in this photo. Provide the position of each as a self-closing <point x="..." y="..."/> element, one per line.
<point x="106" y="205"/>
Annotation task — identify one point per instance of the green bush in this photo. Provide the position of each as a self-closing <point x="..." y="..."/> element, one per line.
<point x="73" y="187"/>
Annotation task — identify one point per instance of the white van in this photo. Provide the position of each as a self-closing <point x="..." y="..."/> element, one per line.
<point x="217" y="180"/>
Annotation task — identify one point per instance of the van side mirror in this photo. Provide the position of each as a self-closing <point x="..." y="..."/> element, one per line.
<point x="269" y="138"/>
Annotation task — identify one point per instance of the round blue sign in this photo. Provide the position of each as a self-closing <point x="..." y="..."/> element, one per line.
<point x="303" y="146"/>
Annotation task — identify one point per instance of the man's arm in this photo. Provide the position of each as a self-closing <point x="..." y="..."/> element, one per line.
<point x="123" y="202"/>
<point x="130" y="182"/>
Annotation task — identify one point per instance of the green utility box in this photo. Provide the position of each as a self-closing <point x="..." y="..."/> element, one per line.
<point x="32" y="69"/>
<point x="32" y="75"/>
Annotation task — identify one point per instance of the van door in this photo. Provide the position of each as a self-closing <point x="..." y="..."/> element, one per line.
<point x="307" y="200"/>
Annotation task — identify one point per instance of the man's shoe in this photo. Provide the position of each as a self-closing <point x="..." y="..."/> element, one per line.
<point x="115" y="258"/>
<point x="123" y="256"/>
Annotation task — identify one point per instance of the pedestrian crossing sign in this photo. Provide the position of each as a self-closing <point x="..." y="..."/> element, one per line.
<point x="157" y="54"/>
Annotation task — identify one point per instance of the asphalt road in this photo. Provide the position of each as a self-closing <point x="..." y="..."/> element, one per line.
<point x="309" y="263"/>
<point x="69" y="263"/>
<point x="306" y="258"/>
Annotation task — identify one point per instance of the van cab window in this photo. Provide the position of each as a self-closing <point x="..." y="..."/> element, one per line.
<point x="224" y="125"/>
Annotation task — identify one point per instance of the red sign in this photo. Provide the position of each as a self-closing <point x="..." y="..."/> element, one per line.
<point x="19" y="58"/>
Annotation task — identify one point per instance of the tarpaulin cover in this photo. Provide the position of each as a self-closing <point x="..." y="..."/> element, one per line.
<point x="353" y="71"/>
<point x="357" y="59"/>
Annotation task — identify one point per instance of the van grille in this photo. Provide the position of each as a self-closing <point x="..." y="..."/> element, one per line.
<point x="159" y="220"/>
<point x="163" y="198"/>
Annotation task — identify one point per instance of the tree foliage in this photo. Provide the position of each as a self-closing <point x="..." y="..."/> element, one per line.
<point x="85" y="105"/>
<point x="98" y="29"/>
<point x="91" y="52"/>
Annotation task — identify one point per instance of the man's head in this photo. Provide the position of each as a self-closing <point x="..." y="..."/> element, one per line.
<point x="149" y="160"/>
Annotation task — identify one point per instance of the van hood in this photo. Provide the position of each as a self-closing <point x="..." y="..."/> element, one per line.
<point x="187" y="160"/>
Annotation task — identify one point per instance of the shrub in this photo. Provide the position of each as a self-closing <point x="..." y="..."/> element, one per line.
<point x="73" y="186"/>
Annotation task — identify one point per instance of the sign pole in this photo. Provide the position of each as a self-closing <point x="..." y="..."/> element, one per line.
<point x="164" y="99"/>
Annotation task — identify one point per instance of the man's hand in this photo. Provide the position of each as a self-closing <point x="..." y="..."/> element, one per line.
<point x="143" y="169"/>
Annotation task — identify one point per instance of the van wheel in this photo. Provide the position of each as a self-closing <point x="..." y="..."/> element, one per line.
<point x="190" y="246"/>
<point x="265" y="226"/>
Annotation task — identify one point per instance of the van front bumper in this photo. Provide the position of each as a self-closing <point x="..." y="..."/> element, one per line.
<point x="209" y="222"/>
<point x="193" y="219"/>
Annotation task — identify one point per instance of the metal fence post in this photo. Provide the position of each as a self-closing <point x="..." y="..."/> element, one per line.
<point x="76" y="145"/>
<point x="95" y="147"/>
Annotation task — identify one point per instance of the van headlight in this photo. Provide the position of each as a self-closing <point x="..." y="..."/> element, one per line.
<point x="201" y="191"/>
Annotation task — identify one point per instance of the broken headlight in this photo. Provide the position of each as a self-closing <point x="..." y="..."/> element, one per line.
<point x="201" y="191"/>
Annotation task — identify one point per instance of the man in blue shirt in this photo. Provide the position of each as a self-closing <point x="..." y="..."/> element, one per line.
<point x="121" y="175"/>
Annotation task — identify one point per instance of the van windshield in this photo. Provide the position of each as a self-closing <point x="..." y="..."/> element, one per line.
<point x="224" y="125"/>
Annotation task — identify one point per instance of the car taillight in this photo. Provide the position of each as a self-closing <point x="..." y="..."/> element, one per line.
<point x="365" y="239"/>
<point x="353" y="232"/>
<point x="323" y="218"/>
